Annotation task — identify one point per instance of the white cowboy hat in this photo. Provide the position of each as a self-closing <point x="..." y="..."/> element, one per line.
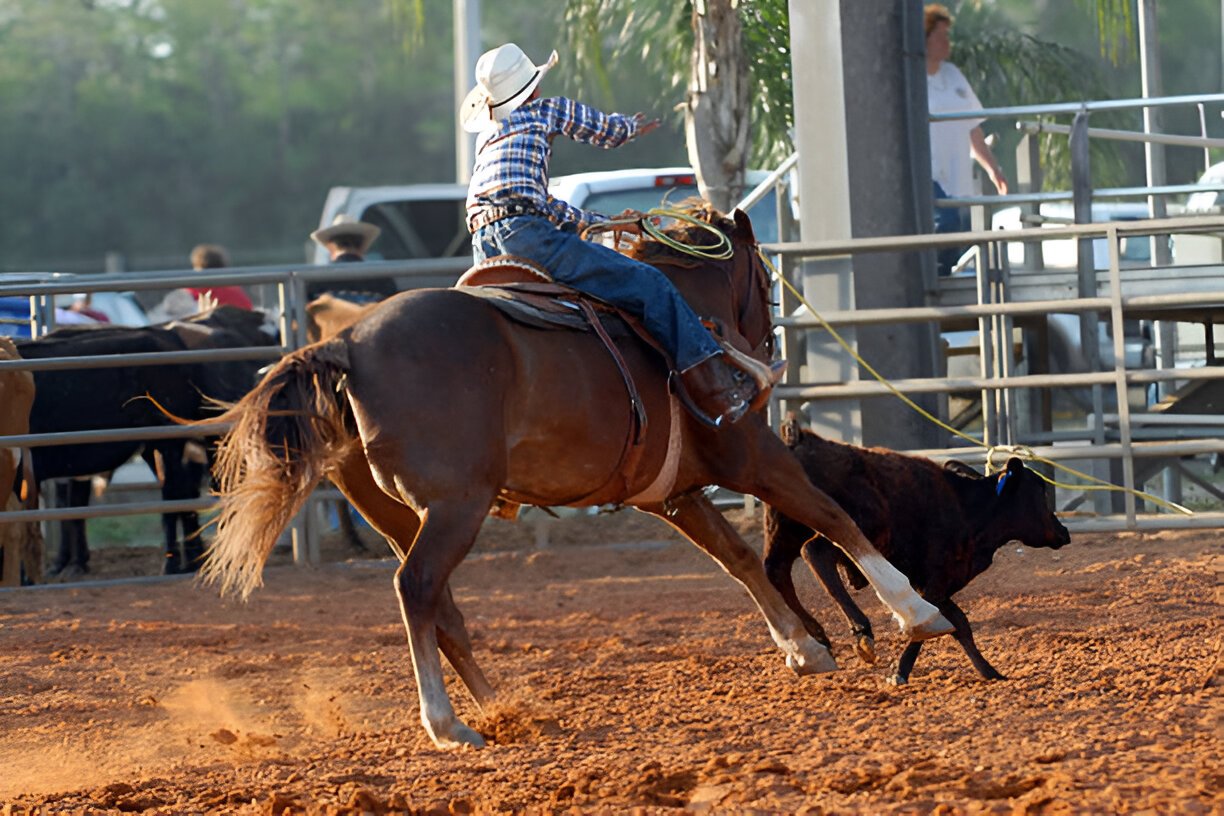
<point x="345" y="224"/>
<point x="505" y="77"/>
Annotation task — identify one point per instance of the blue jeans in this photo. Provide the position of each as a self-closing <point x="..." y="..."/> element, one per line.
<point x="949" y="219"/>
<point x="637" y="288"/>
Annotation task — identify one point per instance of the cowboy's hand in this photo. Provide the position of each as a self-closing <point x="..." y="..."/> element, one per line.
<point x="642" y="125"/>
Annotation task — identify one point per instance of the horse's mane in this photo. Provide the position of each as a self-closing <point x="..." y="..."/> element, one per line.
<point x="651" y="251"/>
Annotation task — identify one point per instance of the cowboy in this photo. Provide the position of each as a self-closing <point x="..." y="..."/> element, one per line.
<point x="347" y="240"/>
<point x="509" y="211"/>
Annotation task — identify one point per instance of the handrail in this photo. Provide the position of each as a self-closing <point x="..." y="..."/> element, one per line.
<point x="769" y="182"/>
<point x="1174" y="139"/>
<point x="1078" y="107"/>
<point x="905" y="243"/>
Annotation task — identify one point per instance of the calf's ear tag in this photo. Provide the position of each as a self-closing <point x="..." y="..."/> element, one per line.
<point x="1002" y="481"/>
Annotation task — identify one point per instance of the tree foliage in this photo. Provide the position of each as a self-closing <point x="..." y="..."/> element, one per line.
<point x="147" y="126"/>
<point x="657" y="36"/>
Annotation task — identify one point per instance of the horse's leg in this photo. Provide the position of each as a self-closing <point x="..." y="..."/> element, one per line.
<point x="693" y="515"/>
<point x="457" y="646"/>
<point x="822" y="558"/>
<point x="399" y="525"/>
<point x="448" y="529"/>
<point x="766" y="468"/>
<point x="781" y="550"/>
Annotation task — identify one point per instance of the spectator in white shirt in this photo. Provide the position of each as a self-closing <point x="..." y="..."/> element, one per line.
<point x="955" y="143"/>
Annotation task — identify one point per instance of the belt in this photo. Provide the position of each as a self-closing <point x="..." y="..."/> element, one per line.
<point x="488" y="215"/>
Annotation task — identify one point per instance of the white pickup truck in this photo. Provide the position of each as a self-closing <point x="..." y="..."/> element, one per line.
<point x="427" y="220"/>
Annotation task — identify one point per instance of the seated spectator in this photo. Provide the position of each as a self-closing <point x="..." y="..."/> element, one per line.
<point x="185" y="302"/>
<point x="212" y="256"/>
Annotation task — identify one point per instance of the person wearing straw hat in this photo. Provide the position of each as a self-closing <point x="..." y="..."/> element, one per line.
<point x="347" y="240"/>
<point x="509" y="211"/>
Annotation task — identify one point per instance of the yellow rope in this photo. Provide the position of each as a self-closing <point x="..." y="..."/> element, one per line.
<point x="719" y="251"/>
<point x="1020" y="451"/>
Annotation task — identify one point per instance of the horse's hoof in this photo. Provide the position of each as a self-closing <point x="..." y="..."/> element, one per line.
<point x="896" y="680"/>
<point x="864" y="647"/>
<point x="933" y="626"/>
<point x="816" y="661"/>
<point x="459" y="736"/>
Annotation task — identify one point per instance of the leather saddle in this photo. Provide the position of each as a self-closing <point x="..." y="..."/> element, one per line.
<point x="525" y="292"/>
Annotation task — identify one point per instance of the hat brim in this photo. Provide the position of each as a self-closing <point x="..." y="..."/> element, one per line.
<point x="367" y="233"/>
<point x="475" y="113"/>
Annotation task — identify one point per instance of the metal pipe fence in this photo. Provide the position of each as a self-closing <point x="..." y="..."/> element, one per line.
<point x="982" y="301"/>
<point x="289" y="318"/>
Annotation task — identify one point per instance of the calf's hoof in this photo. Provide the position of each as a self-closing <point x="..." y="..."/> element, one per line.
<point x="864" y="647"/>
<point x="930" y="627"/>
<point x="817" y="660"/>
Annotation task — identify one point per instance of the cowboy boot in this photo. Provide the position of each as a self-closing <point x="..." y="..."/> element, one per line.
<point x="722" y="389"/>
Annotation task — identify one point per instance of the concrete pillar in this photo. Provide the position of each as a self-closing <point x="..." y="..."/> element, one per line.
<point x="824" y="198"/>
<point x="889" y="160"/>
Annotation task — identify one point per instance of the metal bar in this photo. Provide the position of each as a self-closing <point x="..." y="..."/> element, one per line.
<point x="769" y="182"/>
<point x="1069" y="452"/>
<point x="1076" y="107"/>
<point x="986" y="348"/>
<point x="146" y="433"/>
<point x="906" y="243"/>
<point x="1125" y="135"/>
<point x="148" y="358"/>
<point x="1120" y="385"/>
<point x="108" y="510"/>
<point x="871" y="388"/>
<point x="137" y="281"/>
<point x="1109" y="524"/>
<point x="1029" y="308"/>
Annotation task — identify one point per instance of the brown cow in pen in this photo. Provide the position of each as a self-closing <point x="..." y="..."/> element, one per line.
<point x="940" y="526"/>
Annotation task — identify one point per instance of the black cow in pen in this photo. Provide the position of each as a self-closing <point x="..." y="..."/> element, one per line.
<point x="119" y="397"/>
<point x="940" y="526"/>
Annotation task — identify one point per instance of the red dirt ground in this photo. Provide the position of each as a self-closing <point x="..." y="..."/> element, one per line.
<point x="635" y="677"/>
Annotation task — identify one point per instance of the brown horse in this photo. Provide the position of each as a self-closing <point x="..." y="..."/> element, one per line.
<point x="434" y="404"/>
<point x="16" y="398"/>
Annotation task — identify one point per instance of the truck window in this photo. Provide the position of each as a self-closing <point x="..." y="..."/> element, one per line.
<point x="428" y="228"/>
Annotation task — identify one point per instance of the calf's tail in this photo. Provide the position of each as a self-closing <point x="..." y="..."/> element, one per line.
<point x="285" y="435"/>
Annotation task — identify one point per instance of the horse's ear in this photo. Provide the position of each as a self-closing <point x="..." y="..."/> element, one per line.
<point x="743" y="225"/>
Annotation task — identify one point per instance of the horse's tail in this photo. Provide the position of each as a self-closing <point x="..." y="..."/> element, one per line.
<point x="285" y="435"/>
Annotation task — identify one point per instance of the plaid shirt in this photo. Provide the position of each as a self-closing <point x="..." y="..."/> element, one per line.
<point x="512" y="159"/>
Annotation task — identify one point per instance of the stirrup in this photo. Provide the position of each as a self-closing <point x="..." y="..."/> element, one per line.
<point x="676" y="386"/>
